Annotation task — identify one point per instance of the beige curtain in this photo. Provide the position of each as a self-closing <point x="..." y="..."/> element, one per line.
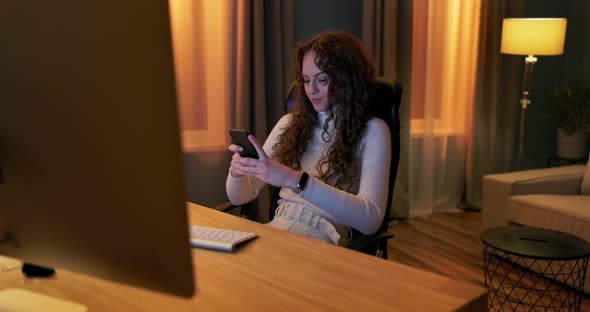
<point x="435" y="61"/>
<point x="187" y="27"/>
<point x="495" y="103"/>
<point x="443" y="81"/>
<point x="232" y="61"/>
<point x="458" y="97"/>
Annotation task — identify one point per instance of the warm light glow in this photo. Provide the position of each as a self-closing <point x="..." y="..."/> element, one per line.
<point x="444" y="62"/>
<point x="201" y="37"/>
<point x="533" y="36"/>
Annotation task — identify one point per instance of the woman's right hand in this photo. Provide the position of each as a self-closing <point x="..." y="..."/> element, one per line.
<point x="264" y="168"/>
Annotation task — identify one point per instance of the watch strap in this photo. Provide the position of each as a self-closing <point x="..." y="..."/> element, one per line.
<point x="302" y="181"/>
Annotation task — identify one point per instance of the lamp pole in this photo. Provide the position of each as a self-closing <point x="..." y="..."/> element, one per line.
<point x="529" y="63"/>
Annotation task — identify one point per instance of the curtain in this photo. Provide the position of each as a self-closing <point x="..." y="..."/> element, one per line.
<point x="262" y="42"/>
<point x="443" y="75"/>
<point x="380" y="32"/>
<point x="187" y="28"/>
<point x="459" y="95"/>
<point x="201" y="39"/>
<point x="495" y="102"/>
<point x="232" y="61"/>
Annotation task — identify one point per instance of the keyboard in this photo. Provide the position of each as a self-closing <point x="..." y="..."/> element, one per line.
<point x="217" y="239"/>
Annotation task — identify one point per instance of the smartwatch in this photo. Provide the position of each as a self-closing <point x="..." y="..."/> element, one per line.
<point x="302" y="181"/>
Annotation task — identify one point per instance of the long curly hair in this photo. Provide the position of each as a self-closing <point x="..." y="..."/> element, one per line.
<point x="351" y="74"/>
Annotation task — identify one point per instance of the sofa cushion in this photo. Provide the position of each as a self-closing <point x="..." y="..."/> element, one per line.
<point x="585" y="187"/>
<point x="563" y="183"/>
<point x="546" y="209"/>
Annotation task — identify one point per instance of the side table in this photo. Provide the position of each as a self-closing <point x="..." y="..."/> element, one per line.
<point x="534" y="269"/>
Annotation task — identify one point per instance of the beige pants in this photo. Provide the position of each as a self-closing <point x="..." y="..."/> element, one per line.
<point x="306" y="222"/>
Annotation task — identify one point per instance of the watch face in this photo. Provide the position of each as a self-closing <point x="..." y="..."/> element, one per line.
<point x="302" y="181"/>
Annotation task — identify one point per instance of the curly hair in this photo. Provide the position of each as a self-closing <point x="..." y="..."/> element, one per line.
<point x="343" y="58"/>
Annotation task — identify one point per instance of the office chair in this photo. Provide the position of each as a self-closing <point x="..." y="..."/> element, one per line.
<point x="384" y="102"/>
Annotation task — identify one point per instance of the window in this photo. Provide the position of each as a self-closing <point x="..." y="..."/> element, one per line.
<point x="444" y="62"/>
<point x="200" y="34"/>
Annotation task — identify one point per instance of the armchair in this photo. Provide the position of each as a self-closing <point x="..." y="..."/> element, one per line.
<point x="384" y="101"/>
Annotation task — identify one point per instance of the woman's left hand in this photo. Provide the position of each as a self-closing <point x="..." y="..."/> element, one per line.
<point x="266" y="169"/>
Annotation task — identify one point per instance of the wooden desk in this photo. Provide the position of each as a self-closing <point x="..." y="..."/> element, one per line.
<point x="278" y="271"/>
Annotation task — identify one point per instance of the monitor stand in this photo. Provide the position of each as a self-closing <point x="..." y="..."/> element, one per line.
<point x="20" y="299"/>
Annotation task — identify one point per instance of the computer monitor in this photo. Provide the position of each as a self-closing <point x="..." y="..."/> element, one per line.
<point x="90" y="153"/>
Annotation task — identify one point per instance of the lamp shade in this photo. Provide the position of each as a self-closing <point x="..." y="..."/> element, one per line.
<point x="533" y="36"/>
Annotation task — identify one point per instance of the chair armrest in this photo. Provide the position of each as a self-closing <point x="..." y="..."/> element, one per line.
<point x="366" y="242"/>
<point x="228" y="206"/>
<point x="497" y="189"/>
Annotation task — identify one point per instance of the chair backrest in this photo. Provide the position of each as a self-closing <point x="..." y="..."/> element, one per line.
<point x="384" y="102"/>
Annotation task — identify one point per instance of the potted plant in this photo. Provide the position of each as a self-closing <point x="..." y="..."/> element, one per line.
<point x="569" y="107"/>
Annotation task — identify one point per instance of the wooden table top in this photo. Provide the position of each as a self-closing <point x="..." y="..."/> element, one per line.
<point x="278" y="271"/>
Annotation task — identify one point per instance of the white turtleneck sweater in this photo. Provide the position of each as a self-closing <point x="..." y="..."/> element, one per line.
<point x="361" y="209"/>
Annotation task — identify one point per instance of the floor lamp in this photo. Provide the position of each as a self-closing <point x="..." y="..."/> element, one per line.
<point x="530" y="37"/>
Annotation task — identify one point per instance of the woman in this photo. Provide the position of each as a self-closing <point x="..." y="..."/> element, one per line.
<point x="329" y="156"/>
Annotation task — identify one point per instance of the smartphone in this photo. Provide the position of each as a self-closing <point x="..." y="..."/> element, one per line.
<point x="240" y="137"/>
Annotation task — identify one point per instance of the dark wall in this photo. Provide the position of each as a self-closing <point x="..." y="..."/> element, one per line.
<point x="549" y="71"/>
<point x="577" y="45"/>
<point x="314" y="16"/>
<point x="205" y="174"/>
